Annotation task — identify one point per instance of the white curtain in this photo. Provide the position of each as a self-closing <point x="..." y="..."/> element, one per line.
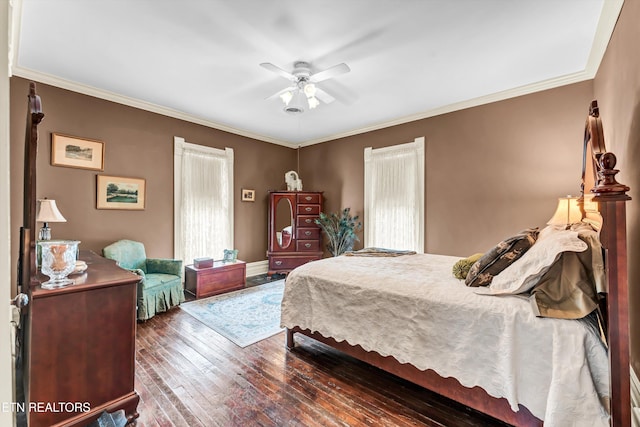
<point x="394" y="196"/>
<point x="203" y="187"/>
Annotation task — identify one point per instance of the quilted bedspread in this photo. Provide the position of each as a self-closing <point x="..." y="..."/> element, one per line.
<point x="412" y="308"/>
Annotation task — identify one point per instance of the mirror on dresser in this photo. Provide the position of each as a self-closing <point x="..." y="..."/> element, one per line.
<point x="284" y="222"/>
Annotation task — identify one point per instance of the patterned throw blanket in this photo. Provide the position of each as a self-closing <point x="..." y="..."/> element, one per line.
<point x="378" y="252"/>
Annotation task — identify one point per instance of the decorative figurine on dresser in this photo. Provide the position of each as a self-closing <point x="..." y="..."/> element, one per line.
<point x="294" y="236"/>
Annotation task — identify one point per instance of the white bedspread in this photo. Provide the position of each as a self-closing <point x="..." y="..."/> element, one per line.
<point x="411" y="307"/>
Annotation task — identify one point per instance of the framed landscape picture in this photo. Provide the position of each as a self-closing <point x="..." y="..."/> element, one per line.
<point x="74" y="152"/>
<point x="117" y="192"/>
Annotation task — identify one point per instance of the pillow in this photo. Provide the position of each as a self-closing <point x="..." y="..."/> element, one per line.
<point x="523" y="275"/>
<point x="461" y="268"/>
<point x="500" y="257"/>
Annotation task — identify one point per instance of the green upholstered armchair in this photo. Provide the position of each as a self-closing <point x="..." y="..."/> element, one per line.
<point x="161" y="286"/>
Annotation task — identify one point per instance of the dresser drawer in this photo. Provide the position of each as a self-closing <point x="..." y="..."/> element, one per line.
<point x="308" y="198"/>
<point x="308" y="209"/>
<point x="307" y="245"/>
<point x="308" y="233"/>
<point x="277" y="263"/>
<point x="306" y="221"/>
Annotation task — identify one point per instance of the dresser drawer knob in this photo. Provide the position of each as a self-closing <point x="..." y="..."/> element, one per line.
<point x="307" y="245"/>
<point x="307" y="209"/>
<point x="308" y="198"/>
<point x="308" y="221"/>
<point x="307" y="233"/>
<point x="278" y="262"/>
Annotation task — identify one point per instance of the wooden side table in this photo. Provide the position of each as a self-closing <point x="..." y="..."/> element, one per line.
<point x="222" y="277"/>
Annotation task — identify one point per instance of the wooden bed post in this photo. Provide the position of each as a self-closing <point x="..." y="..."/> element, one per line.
<point x="26" y="261"/>
<point x="598" y="175"/>
<point x="611" y="197"/>
<point x="290" y="342"/>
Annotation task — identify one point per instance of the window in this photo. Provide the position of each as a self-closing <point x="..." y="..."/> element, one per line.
<point x="203" y="201"/>
<point x="394" y="196"/>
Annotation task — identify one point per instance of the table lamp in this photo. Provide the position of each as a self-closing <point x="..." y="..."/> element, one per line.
<point x="567" y="212"/>
<point x="47" y="212"/>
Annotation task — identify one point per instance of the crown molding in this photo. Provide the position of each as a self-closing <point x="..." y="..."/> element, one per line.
<point x="606" y="24"/>
<point x="154" y="108"/>
<point x="487" y="99"/>
<point x="136" y="103"/>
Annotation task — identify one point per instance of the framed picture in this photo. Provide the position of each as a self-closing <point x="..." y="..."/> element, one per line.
<point x="230" y="255"/>
<point x="248" y="195"/>
<point x="74" y="152"/>
<point x="117" y="192"/>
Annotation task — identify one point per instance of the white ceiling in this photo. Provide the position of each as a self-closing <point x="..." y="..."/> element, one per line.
<point x="199" y="59"/>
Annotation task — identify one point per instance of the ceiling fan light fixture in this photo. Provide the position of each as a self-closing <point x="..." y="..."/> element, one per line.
<point x="313" y="102"/>
<point x="310" y="90"/>
<point x="286" y="97"/>
<point x="296" y="104"/>
<point x="302" y="92"/>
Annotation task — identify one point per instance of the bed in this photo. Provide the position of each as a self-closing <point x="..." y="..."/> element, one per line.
<point x="409" y="316"/>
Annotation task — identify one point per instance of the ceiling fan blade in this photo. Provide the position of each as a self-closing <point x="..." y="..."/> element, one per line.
<point x="324" y="96"/>
<point x="336" y="70"/>
<point x="269" y="66"/>
<point x="343" y="94"/>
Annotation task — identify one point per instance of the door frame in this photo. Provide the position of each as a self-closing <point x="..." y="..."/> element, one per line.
<point x="7" y="381"/>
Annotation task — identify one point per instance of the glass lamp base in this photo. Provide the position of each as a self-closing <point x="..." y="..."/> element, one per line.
<point x="55" y="284"/>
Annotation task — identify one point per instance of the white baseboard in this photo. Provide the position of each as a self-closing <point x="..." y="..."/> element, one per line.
<point x="257" y="268"/>
<point x="635" y="399"/>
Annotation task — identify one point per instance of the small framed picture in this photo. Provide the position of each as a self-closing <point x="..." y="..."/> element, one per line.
<point x="248" y="195"/>
<point x="74" y="152"/>
<point x="117" y="192"/>
<point x="230" y="255"/>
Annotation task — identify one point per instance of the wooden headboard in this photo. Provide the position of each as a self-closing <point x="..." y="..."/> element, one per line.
<point x="603" y="203"/>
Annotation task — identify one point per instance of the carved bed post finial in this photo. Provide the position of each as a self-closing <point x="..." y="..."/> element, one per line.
<point x="607" y="185"/>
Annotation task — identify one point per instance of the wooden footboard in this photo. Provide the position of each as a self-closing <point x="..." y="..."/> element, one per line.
<point x="475" y="397"/>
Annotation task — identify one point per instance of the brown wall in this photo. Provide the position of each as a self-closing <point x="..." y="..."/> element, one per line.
<point x="617" y="88"/>
<point x="490" y="170"/>
<point x="137" y="144"/>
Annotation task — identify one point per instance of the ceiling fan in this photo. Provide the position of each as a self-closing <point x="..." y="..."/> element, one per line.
<point x="303" y="90"/>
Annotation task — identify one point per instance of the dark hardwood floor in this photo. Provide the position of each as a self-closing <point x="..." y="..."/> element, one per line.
<point x="188" y="375"/>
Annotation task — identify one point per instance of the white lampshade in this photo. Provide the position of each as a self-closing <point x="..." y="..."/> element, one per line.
<point x="286" y="97"/>
<point x="310" y="90"/>
<point x="48" y="211"/>
<point x="313" y="102"/>
<point x="567" y="212"/>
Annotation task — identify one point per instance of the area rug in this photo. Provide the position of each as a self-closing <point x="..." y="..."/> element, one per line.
<point x="245" y="316"/>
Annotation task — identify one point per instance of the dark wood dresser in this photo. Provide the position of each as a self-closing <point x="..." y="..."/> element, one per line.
<point x="294" y="237"/>
<point x="80" y="343"/>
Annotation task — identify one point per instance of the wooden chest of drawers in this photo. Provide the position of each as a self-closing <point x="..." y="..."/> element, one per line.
<point x="294" y="236"/>
<point x="222" y="277"/>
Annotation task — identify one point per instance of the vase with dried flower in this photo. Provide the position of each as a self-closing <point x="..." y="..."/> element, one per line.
<point x="340" y="229"/>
